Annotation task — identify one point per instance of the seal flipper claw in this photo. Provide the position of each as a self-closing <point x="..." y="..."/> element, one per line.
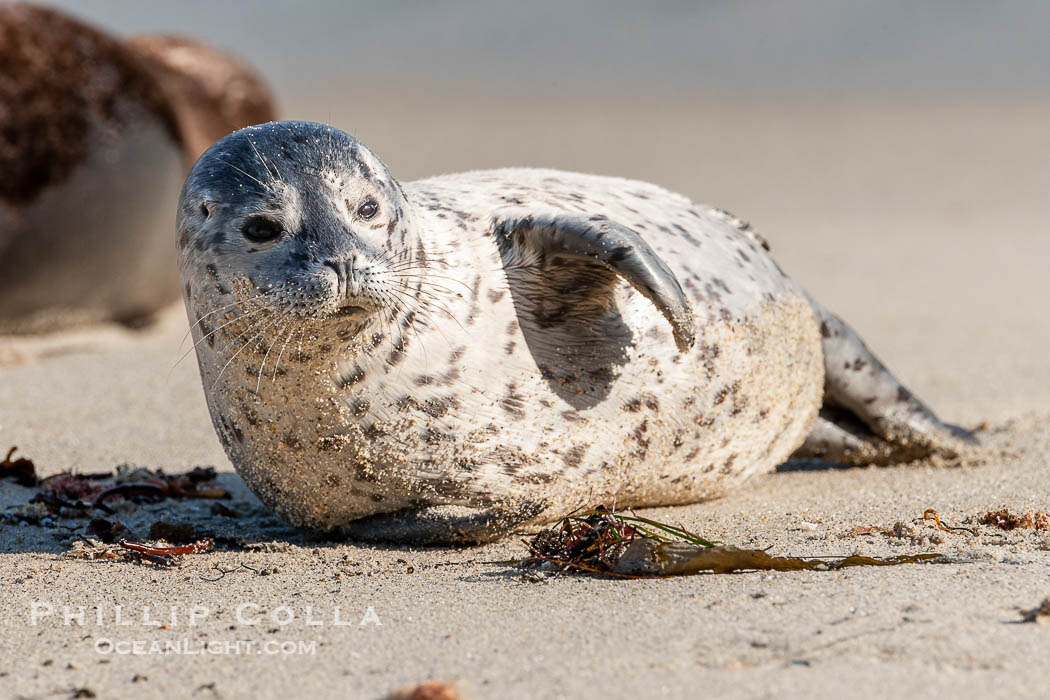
<point x="598" y="240"/>
<point x="868" y="415"/>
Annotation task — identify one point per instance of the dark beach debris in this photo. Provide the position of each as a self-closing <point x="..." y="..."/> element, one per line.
<point x="931" y="514"/>
<point x="73" y="488"/>
<point x="868" y="530"/>
<point x="99" y="491"/>
<point x="629" y="546"/>
<point x="645" y="557"/>
<point x="106" y="530"/>
<point x="907" y="531"/>
<point x="165" y="556"/>
<point x="158" y="553"/>
<point x="431" y="690"/>
<point x="196" y="483"/>
<point x="176" y="533"/>
<point x="22" y="470"/>
<point x="1005" y="520"/>
<point x="1040" y="614"/>
<point x="225" y="511"/>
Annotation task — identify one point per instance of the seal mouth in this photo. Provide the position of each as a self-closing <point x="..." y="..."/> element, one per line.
<point x="347" y="311"/>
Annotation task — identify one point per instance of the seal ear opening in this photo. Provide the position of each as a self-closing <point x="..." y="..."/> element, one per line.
<point x="599" y="241"/>
<point x="205" y="210"/>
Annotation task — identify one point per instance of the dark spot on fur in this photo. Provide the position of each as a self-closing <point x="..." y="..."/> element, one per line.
<point x="450" y="376"/>
<point x="436" y="408"/>
<point x="395" y="357"/>
<point x="572" y="416"/>
<point x="375" y="431"/>
<point x="574" y="455"/>
<point x="639" y="433"/>
<point x="208" y="333"/>
<point x="350" y="377"/>
<point x="729" y="463"/>
<point x="513" y="403"/>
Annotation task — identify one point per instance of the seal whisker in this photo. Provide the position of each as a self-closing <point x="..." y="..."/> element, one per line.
<point x="246" y="174"/>
<point x="432" y="301"/>
<point x="240" y="350"/>
<point x="213" y="331"/>
<point x="235" y="339"/>
<point x="262" y="365"/>
<point x="212" y="313"/>
<point x="429" y="274"/>
<point x="422" y="310"/>
<point x="426" y="279"/>
<point x="263" y="161"/>
<point x="280" y="355"/>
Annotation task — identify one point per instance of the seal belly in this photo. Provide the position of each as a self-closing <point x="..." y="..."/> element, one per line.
<point x="747" y="396"/>
<point x="660" y="427"/>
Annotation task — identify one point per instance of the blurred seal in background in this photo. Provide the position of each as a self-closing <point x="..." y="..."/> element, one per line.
<point x="96" y="134"/>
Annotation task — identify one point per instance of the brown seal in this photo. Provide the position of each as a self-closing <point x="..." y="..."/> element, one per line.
<point x="95" y="135"/>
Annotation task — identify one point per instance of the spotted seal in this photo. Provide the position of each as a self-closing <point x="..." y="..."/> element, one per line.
<point x="446" y="359"/>
<point x="96" y="136"/>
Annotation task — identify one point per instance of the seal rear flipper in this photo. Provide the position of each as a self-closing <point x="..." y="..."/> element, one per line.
<point x="869" y="417"/>
<point x="599" y="241"/>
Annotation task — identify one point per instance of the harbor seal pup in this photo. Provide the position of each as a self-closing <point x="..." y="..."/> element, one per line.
<point x="447" y="359"/>
<point x="96" y="136"/>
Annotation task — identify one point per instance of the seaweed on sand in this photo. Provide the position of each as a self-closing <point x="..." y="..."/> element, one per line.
<point x="600" y="541"/>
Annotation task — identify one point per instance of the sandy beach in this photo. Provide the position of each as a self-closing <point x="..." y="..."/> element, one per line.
<point x="923" y="224"/>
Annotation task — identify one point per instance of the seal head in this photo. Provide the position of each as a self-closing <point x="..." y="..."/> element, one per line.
<point x="312" y="229"/>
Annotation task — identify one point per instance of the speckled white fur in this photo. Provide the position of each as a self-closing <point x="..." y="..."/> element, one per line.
<point x="462" y="370"/>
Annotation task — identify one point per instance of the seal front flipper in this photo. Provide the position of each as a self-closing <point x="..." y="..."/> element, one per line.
<point x="538" y="236"/>
<point x="868" y="416"/>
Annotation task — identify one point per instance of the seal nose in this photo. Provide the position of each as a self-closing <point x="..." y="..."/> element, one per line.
<point x="348" y="283"/>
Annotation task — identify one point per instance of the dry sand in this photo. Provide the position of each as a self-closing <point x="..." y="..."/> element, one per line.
<point x="924" y="226"/>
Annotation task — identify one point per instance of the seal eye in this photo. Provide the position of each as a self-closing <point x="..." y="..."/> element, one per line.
<point x="368" y="209"/>
<point x="259" y="229"/>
